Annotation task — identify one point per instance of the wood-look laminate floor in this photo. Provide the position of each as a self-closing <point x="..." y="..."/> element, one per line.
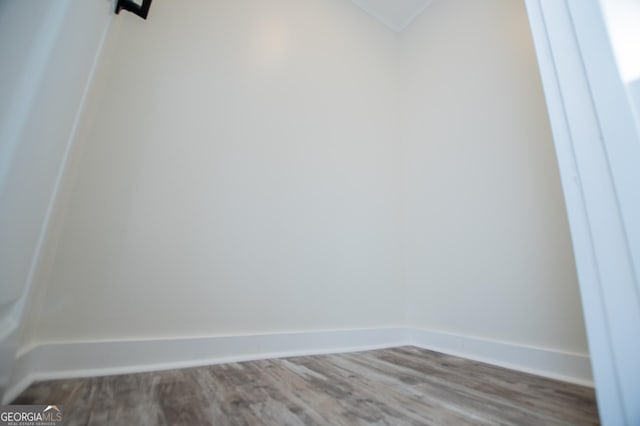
<point x="400" y="386"/>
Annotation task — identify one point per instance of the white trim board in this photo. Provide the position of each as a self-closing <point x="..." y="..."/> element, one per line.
<point x="597" y="149"/>
<point x="564" y="366"/>
<point x="88" y="359"/>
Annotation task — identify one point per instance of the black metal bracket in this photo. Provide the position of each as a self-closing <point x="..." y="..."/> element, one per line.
<point x="142" y="10"/>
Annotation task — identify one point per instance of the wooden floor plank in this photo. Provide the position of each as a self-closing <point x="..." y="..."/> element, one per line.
<point x="399" y="386"/>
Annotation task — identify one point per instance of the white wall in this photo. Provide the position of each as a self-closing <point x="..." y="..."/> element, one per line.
<point x="258" y="167"/>
<point x="487" y="247"/>
<point x="237" y="178"/>
<point x="48" y="51"/>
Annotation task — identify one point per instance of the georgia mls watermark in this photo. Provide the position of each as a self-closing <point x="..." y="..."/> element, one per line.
<point x="31" y="415"/>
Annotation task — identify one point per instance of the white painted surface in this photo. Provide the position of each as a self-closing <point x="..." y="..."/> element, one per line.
<point x="48" y="53"/>
<point x="565" y="366"/>
<point x="238" y="178"/>
<point x="593" y="125"/>
<point x="239" y="174"/>
<point x="487" y="251"/>
<point x="622" y="18"/>
<point x="97" y="358"/>
<point x="395" y="14"/>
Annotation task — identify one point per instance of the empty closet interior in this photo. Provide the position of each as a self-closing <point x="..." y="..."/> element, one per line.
<point x="278" y="170"/>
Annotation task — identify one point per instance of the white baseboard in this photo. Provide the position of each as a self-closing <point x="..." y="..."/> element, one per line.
<point x="89" y="359"/>
<point x="51" y="361"/>
<point x="564" y="366"/>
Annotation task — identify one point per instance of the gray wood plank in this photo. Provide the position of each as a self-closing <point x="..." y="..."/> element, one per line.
<point x="399" y="386"/>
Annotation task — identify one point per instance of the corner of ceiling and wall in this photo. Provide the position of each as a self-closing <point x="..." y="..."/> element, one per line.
<point x="396" y="14"/>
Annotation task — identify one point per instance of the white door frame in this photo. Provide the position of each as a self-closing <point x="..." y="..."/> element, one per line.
<point x="598" y="150"/>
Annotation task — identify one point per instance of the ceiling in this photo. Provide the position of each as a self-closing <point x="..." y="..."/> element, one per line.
<point x="395" y="14"/>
